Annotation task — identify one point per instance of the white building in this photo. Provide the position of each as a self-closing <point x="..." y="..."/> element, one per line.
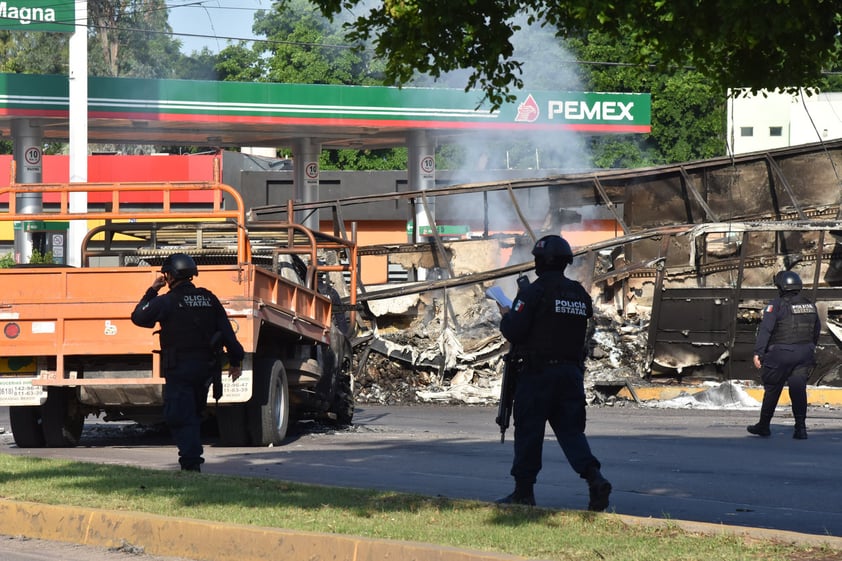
<point x="777" y="120"/>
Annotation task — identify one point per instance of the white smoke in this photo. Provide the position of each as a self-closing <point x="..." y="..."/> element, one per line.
<point x="489" y="156"/>
<point x="546" y="66"/>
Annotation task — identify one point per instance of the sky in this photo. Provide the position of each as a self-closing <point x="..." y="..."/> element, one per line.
<point x="215" y="20"/>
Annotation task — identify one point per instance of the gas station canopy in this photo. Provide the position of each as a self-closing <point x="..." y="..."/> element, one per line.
<point x="226" y="114"/>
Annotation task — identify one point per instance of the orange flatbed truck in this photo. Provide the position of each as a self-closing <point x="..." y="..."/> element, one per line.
<point x="68" y="349"/>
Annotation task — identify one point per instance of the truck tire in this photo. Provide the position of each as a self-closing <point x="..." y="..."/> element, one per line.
<point x="268" y="409"/>
<point x="340" y="353"/>
<point x="342" y="406"/>
<point x="26" y="426"/>
<point x="232" y="425"/>
<point x="343" y="400"/>
<point x="62" y="418"/>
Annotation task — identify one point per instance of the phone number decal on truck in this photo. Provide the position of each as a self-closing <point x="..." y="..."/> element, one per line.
<point x="20" y="391"/>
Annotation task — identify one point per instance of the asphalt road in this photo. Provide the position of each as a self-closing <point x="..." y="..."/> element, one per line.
<point x="697" y="465"/>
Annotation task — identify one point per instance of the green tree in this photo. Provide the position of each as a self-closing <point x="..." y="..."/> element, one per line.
<point x="690" y="118"/>
<point x="303" y="47"/>
<point x="134" y="39"/>
<point x="200" y="65"/>
<point x="688" y="109"/>
<point x="300" y="46"/>
<point x="34" y="52"/>
<point x="125" y="38"/>
<point x="239" y="63"/>
<point x="363" y="160"/>
<point x="754" y="44"/>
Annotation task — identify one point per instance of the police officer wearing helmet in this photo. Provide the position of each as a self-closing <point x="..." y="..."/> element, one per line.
<point x="190" y="320"/>
<point x="785" y="351"/>
<point x="548" y="325"/>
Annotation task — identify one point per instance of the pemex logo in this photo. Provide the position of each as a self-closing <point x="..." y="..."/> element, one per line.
<point x="528" y="112"/>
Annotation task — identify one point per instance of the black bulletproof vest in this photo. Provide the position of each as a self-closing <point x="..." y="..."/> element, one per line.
<point x="191" y="322"/>
<point x="561" y="323"/>
<point x="798" y="322"/>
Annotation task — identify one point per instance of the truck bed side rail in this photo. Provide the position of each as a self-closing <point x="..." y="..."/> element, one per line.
<point x="162" y="206"/>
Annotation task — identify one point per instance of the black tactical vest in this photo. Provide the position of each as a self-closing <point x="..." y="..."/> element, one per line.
<point x="561" y="323"/>
<point x="797" y="324"/>
<point x="191" y="323"/>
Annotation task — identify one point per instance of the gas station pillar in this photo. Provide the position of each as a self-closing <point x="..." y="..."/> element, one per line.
<point x="421" y="176"/>
<point x="27" y="138"/>
<point x="306" y="153"/>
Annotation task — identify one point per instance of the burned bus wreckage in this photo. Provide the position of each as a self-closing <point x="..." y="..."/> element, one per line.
<point x="679" y="285"/>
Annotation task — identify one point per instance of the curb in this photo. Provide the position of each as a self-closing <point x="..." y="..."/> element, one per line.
<point x="216" y="541"/>
<point x="212" y="541"/>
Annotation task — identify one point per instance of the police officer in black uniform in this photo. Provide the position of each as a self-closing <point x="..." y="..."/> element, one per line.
<point x="189" y="317"/>
<point x="548" y="326"/>
<point x="785" y="349"/>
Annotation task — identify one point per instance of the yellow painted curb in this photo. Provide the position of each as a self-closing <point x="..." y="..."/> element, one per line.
<point x="212" y="541"/>
<point x="815" y="395"/>
<point x="215" y="541"/>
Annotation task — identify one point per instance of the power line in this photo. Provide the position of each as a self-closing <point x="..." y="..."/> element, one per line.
<point x="200" y="35"/>
<point x="201" y="4"/>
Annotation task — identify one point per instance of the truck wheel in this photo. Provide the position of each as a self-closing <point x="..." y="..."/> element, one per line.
<point x="268" y="411"/>
<point x="342" y="406"/>
<point x="26" y="426"/>
<point x="233" y="428"/>
<point x="343" y="401"/>
<point x="62" y="418"/>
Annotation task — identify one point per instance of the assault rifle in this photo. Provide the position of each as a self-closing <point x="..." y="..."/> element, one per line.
<point x="512" y="365"/>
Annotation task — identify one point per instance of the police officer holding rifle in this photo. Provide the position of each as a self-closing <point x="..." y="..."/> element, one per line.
<point x="548" y="325"/>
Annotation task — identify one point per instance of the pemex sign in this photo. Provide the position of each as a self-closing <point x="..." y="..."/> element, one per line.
<point x="37" y="15"/>
<point x="595" y="112"/>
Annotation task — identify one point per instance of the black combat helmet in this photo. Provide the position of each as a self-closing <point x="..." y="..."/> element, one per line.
<point x="180" y="265"/>
<point x="788" y="281"/>
<point x="552" y="253"/>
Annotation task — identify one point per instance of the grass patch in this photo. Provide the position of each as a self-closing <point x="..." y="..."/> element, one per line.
<point x="527" y="532"/>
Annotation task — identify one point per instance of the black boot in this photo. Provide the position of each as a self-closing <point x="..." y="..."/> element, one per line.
<point x="599" y="489"/>
<point x="522" y="495"/>
<point x="800" y="432"/>
<point x="760" y="429"/>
